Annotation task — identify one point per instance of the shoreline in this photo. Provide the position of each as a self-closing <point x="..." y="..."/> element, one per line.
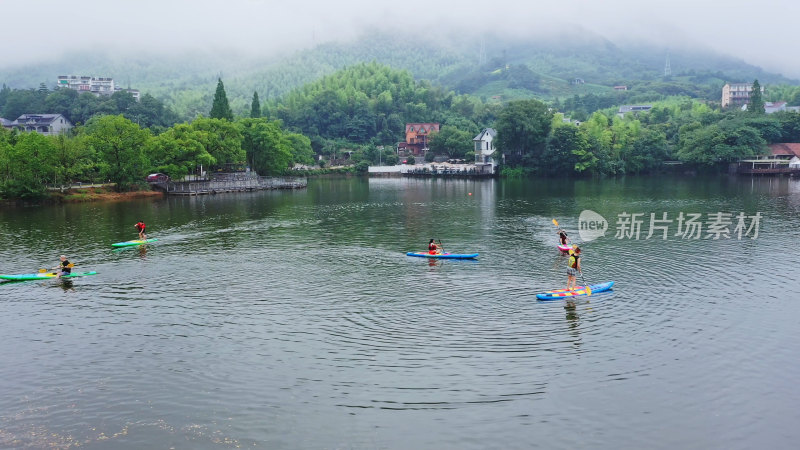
<point x="100" y="195"/>
<point x="83" y="196"/>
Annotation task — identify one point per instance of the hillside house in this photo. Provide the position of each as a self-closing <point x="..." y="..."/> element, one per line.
<point x="737" y="94"/>
<point x="417" y="136"/>
<point x="625" y="109"/>
<point x="96" y="85"/>
<point x="773" y="107"/>
<point x="783" y="158"/>
<point x="484" y="149"/>
<point x="46" y="124"/>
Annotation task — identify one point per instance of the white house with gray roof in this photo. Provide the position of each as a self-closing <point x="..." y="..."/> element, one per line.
<point x="46" y="124"/>
<point x="484" y="149"/>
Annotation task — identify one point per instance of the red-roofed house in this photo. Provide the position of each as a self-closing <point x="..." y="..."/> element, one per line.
<point x="417" y="136"/>
<point x="783" y="157"/>
<point x="785" y="149"/>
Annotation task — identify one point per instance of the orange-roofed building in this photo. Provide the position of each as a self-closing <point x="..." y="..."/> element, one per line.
<point x="783" y="157"/>
<point x="786" y="150"/>
<point x="417" y="136"/>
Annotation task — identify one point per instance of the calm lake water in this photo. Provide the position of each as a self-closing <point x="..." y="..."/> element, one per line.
<point x="293" y="319"/>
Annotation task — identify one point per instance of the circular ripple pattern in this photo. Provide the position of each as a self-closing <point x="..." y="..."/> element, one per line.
<point x="294" y="319"/>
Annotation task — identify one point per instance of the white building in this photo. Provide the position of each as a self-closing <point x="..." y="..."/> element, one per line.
<point x="635" y="109"/>
<point x="737" y="94"/>
<point x="96" y="85"/>
<point x="484" y="149"/>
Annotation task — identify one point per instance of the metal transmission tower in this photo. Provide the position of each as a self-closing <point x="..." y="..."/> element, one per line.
<point x="667" y="70"/>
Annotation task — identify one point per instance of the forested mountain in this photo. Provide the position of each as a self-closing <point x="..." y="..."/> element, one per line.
<point x="488" y="66"/>
<point x="372" y="103"/>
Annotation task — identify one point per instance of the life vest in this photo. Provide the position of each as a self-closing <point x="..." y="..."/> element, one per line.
<point x="573" y="260"/>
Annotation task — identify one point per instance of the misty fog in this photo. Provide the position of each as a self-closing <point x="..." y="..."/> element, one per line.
<point x="45" y="30"/>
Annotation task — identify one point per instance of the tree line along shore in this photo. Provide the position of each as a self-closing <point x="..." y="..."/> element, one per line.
<point x="358" y="114"/>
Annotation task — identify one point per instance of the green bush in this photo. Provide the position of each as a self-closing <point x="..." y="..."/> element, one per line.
<point x="411" y="160"/>
<point x="23" y="190"/>
<point x="512" y="172"/>
<point x="362" y="167"/>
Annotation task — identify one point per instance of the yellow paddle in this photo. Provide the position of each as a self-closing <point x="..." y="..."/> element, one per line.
<point x="588" y="289"/>
<point x="555" y="222"/>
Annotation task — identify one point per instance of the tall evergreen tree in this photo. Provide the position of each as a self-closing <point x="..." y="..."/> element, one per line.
<point x="255" y="107"/>
<point x="220" y="108"/>
<point x="756" y="105"/>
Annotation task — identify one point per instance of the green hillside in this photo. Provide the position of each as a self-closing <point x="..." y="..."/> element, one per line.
<point x="507" y="69"/>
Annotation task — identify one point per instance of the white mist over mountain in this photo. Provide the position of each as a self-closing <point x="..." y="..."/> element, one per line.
<point x="40" y="30"/>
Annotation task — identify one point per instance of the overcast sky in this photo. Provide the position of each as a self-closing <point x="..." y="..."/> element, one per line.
<point x="761" y="32"/>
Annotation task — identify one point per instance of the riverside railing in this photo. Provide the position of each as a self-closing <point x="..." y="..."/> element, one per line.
<point x="233" y="184"/>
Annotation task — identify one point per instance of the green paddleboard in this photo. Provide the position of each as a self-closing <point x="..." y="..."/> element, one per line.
<point x="134" y="242"/>
<point x="43" y="276"/>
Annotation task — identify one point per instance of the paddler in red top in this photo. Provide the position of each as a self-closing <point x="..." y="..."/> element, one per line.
<point x="433" y="249"/>
<point x="141" y="226"/>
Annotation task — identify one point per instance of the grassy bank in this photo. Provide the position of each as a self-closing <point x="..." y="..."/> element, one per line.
<point x="100" y="194"/>
<point x="95" y="194"/>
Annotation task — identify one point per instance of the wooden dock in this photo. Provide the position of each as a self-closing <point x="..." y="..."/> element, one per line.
<point x="230" y="183"/>
<point x="792" y="172"/>
<point x="449" y="171"/>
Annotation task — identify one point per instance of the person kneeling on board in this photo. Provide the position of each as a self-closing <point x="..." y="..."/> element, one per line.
<point x="562" y="236"/>
<point x="64" y="268"/>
